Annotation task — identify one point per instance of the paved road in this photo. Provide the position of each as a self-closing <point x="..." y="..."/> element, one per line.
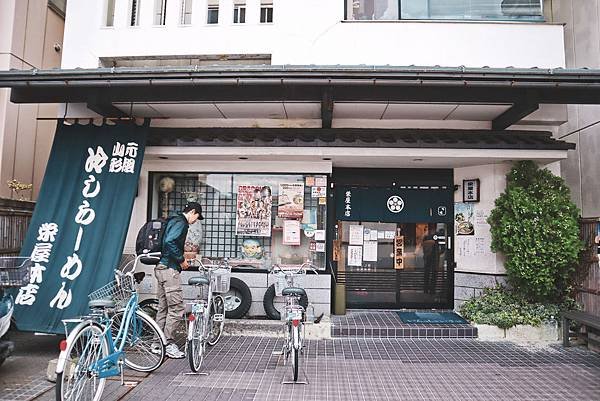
<point x="23" y="375"/>
<point x="356" y="369"/>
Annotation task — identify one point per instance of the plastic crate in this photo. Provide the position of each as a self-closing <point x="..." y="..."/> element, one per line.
<point x="15" y="271"/>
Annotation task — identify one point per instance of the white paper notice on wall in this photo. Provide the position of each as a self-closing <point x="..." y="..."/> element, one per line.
<point x="370" y="251"/>
<point x="389" y="235"/>
<point x="380" y="234"/>
<point x="373" y="235"/>
<point x="354" y="255"/>
<point x="356" y="235"/>
<point x="320" y="247"/>
<point x="319" y="235"/>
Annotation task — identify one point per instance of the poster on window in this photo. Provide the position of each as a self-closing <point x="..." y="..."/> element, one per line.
<point x="291" y="201"/>
<point x="355" y="255"/>
<point x="464" y="218"/>
<point x="291" y="232"/>
<point x="253" y="214"/>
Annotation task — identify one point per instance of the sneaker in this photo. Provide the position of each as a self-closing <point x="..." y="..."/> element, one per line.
<point x="174" y="352"/>
<point x="156" y="348"/>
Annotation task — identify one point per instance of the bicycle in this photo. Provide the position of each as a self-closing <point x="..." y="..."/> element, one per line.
<point x="293" y="313"/>
<point x="15" y="272"/>
<point x="207" y="318"/>
<point x="116" y="333"/>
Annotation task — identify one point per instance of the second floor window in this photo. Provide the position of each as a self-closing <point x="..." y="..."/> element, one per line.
<point x="110" y="13"/>
<point x="239" y="14"/>
<point x="160" y="12"/>
<point x="266" y="12"/>
<point x="134" y="17"/>
<point x="212" y="14"/>
<point x="186" y="12"/>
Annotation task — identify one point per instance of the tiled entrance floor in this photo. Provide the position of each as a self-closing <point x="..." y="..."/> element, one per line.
<point x="358" y="369"/>
<point x="386" y="324"/>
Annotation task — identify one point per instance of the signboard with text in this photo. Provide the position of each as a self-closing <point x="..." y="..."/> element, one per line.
<point x="76" y="235"/>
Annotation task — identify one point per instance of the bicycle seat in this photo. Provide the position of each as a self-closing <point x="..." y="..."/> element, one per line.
<point x="293" y="291"/>
<point x="102" y="303"/>
<point x="199" y="280"/>
<point x="149" y="260"/>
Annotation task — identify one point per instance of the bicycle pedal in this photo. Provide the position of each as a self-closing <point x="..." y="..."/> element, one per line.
<point x="218" y="317"/>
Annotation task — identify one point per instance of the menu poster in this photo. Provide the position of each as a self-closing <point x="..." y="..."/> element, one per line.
<point x="310" y="181"/>
<point x="291" y="232"/>
<point x="399" y="252"/>
<point x="291" y="201"/>
<point x="355" y="255"/>
<point x="370" y="251"/>
<point x="253" y="214"/>
<point x="356" y="235"/>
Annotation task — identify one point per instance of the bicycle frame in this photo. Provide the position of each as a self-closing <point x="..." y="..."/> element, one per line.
<point x="109" y="366"/>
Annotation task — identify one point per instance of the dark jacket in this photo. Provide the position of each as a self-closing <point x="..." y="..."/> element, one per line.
<point x="173" y="242"/>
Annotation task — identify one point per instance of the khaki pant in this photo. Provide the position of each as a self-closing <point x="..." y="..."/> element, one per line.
<point x="170" y="300"/>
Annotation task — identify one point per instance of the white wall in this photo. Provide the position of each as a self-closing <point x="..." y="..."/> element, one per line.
<point x="493" y="182"/>
<point x="308" y="32"/>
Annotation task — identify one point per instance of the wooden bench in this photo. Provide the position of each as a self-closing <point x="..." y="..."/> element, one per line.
<point x="584" y="318"/>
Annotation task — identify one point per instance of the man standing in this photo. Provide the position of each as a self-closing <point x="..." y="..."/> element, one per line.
<point x="170" y="294"/>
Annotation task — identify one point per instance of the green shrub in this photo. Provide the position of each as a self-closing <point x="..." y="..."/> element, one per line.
<point x="504" y="308"/>
<point x="535" y="225"/>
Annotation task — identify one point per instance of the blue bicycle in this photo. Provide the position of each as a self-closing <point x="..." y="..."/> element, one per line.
<point x="115" y="334"/>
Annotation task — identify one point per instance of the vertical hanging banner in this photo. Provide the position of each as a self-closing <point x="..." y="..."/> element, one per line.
<point x="78" y="229"/>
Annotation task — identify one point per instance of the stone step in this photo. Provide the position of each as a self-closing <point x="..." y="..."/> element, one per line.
<point x="424" y="331"/>
<point x="274" y="328"/>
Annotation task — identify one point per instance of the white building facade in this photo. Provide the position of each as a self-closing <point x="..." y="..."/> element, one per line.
<point x="364" y="107"/>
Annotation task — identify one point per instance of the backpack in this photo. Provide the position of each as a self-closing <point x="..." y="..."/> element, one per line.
<point x="149" y="238"/>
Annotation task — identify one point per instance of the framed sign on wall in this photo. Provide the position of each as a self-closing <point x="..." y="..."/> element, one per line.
<point x="471" y="190"/>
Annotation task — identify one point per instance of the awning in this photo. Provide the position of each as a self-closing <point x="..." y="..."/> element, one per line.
<point x="523" y="90"/>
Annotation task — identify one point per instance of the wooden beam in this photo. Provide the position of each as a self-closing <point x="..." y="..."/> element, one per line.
<point x="326" y="109"/>
<point x="514" y="114"/>
<point x="106" y="109"/>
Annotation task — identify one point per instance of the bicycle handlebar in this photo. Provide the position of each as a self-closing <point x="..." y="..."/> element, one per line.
<point x="300" y="270"/>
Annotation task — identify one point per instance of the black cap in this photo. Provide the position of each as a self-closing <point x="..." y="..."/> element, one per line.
<point x="195" y="206"/>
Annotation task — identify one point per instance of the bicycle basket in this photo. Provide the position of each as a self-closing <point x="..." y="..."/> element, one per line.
<point x="15" y="271"/>
<point x="117" y="291"/>
<point x="281" y="282"/>
<point x="220" y="280"/>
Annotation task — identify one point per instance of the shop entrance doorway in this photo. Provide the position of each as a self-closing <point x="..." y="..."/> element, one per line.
<point x="392" y="242"/>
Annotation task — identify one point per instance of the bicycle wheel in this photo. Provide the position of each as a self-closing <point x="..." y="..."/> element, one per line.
<point x="196" y="342"/>
<point x="295" y="351"/>
<point x="217" y="308"/>
<point x="76" y="381"/>
<point x="144" y="349"/>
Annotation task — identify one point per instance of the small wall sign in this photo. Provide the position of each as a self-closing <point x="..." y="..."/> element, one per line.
<point x="471" y="190"/>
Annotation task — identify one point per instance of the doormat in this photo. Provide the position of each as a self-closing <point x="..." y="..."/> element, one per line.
<point x="431" y="317"/>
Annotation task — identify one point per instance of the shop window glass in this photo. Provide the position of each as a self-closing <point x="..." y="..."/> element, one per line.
<point x="254" y="220"/>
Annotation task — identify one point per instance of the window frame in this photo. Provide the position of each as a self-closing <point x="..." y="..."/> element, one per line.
<point x="239" y="14"/>
<point x="266" y="8"/>
<point x="109" y="14"/>
<point x="162" y="14"/>
<point x="208" y="14"/>
<point x="184" y="14"/>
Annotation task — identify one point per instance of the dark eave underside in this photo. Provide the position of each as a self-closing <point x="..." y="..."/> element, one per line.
<point x="369" y="138"/>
